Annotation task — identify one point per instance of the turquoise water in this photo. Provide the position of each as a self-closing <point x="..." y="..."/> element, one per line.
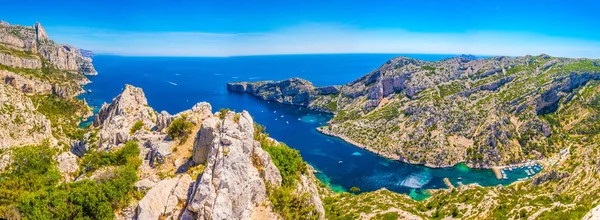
<point x="176" y="84"/>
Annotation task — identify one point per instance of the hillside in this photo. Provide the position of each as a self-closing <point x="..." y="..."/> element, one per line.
<point x="484" y="112"/>
<point x="35" y="64"/>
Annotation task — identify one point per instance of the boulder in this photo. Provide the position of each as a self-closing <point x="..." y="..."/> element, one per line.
<point x="163" y="121"/>
<point x="158" y="151"/>
<point x="163" y="198"/>
<point x="204" y="138"/>
<point x="67" y="163"/>
<point x="144" y="184"/>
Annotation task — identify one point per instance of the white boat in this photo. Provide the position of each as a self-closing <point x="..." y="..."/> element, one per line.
<point x="340" y="161"/>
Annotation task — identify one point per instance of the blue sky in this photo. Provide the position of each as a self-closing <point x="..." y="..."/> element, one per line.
<point x="227" y="28"/>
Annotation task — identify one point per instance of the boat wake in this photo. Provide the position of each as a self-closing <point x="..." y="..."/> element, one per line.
<point x="172" y="83"/>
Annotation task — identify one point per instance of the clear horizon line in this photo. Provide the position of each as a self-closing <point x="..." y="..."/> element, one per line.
<point x="341" y="53"/>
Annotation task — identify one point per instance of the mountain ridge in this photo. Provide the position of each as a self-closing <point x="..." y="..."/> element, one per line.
<point x="488" y="109"/>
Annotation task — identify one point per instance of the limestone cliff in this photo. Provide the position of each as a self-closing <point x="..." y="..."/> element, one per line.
<point x="29" y="59"/>
<point x="293" y="91"/>
<point x="484" y="112"/>
<point x="236" y="173"/>
<point x="20" y="123"/>
<point x="117" y="118"/>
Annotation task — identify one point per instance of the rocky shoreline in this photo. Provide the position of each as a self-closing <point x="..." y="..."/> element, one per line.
<point x="383" y="154"/>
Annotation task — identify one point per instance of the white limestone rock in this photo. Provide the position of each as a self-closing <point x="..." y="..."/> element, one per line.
<point x="20" y="123"/>
<point x="144" y="185"/>
<point x="117" y="118"/>
<point x="164" y="198"/>
<point x="593" y="214"/>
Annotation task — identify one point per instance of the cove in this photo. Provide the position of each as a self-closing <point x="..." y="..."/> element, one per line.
<point x="177" y="83"/>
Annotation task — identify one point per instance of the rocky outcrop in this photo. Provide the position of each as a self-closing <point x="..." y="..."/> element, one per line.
<point x="484" y="112"/>
<point x="197" y="113"/>
<point x="67" y="164"/>
<point x="549" y="176"/>
<point x="20" y="123"/>
<point x="230" y="187"/>
<point x="163" y="121"/>
<point x="593" y="214"/>
<point x="117" y="118"/>
<point x="40" y="32"/>
<point x="35" y="40"/>
<point x="204" y="138"/>
<point x="164" y="200"/>
<point x="294" y="91"/>
<point x="28" y="51"/>
<point x="19" y="62"/>
<point x="159" y="150"/>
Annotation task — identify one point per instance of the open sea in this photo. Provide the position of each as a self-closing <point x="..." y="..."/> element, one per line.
<point x="175" y="84"/>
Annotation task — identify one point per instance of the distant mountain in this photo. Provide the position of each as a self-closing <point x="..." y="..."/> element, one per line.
<point x="86" y="53"/>
<point x="468" y="56"/>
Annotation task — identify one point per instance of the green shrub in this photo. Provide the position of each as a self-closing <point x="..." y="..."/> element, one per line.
<point x="260" y="134"/>
<point x="95" y="159"/>
<point x="180" y="129"/>
<point x="354" y="189"/>
<point x="288" y="161"/>
<point x="285" y="200"/>
<point x="136" y="127"/>
<point x="63" y="113"/>
<point x="31" y="189"/>
<point x="291" y="205"/>
<point x="223" y="112"/>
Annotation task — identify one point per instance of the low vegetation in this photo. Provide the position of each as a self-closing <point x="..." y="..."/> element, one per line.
<point x="223" y="112"/>
<point x="286" y="200"/>
<point x="63" y="113"/>
<point x="96" y="159"/>
<point x="180" y="129"/>
<point x="136" y="127"/>
<point x="31" y="190"/>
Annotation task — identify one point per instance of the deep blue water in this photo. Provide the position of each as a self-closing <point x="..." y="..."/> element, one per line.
<point x="175" y="84"/>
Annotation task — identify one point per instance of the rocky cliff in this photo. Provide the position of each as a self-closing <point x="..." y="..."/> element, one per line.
<point x="484" y="112"/>
<point x="293" y="91"/>
<point x="34" y="60"/>
<point x="20" y="123"/>
<point x="236" y="170"/>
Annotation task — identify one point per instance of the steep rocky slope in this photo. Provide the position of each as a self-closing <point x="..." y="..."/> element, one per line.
<point x="33" y="63"/>
<point x="238" y="175"/>
<point x="484" y="112"/>
<point x="20" y="123"/>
